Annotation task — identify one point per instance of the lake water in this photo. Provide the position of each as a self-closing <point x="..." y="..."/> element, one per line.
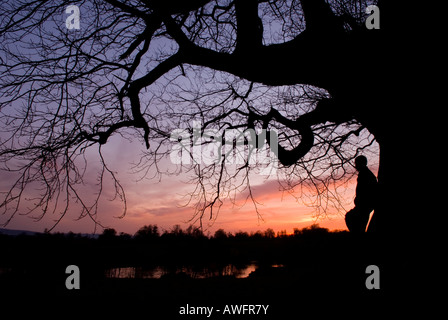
<point x="193" y="272"/>
<point x="132" y="272"/>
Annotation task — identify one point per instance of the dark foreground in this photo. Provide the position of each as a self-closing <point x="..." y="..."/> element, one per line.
<point x="322" y="275"/>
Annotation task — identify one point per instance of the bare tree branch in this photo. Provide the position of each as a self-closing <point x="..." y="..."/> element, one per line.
<point x="145" y="68"/>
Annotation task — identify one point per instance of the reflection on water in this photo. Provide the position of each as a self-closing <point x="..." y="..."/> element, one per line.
<point x="192" y="272"/>
<point x="241" y="271"/>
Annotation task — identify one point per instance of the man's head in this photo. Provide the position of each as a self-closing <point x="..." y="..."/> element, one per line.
<point x="360" y="162"/>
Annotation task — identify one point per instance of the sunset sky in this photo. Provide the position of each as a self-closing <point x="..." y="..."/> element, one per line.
<point x="151" y="201"/>
<point x="162" y="202"/>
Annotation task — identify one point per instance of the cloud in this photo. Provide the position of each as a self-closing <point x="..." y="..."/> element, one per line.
<point x="150" y="201"/>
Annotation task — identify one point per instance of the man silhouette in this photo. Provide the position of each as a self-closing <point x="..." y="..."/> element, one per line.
<point x="366" y="189"/>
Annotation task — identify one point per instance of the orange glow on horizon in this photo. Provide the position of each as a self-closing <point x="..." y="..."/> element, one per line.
<point x="160" y="203"/>
<point x="277" y="210"/>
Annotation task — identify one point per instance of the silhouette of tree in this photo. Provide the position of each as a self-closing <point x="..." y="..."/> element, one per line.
<point x="177" y="230"/>
<point x="194" y="232"/>
<point x="308" y="69"/>
<point x="269" y="233"/>
<point x="241" y="235"/>
<point x="282" y="234"/>
<point x="109" y="234"/>
<point x="220" y="234"/>
<point x="148" y="232"/>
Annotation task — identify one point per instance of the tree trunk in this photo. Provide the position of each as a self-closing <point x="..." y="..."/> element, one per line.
<point x="399" y="196"/>
<point x="388" y="210"/>
<point x="393" y="122"/>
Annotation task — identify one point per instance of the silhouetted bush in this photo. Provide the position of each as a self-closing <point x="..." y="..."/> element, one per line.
<point x="147" y="233"/>
<point x="108" y="234"/>
<point x="220" y="234"/>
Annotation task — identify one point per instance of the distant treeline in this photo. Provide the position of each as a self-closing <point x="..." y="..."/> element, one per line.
<point x="176" y="246"/>
<point x="152" y="231"/>
<point x="149" y="232"/>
